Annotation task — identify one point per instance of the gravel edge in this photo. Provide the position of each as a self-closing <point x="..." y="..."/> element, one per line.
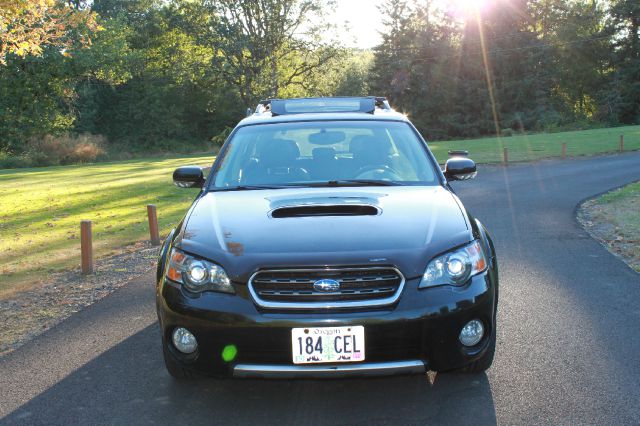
<point x="28" y="314"/>
<point x="604" y="232"/>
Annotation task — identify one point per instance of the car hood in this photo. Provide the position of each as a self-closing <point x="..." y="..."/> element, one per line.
<point x="403" y="226"/>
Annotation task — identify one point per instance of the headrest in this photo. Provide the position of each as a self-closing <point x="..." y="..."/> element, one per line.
<point x="323" y="154"/>
<point x="278" y="151"/>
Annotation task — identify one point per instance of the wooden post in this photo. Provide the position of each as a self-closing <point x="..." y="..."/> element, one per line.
<point x="153" y="224"/>
<point x="621" y="143"/>
<point x="505" y="155"/>
<point x="564" y="150"/>
<point x="86" y="247"/>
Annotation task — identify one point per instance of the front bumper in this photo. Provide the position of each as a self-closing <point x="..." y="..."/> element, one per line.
<point x="360" y="369"/>
<point x="419" y="332"/>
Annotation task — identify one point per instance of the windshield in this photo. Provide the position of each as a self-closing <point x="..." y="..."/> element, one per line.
<point x="324" y="153"/>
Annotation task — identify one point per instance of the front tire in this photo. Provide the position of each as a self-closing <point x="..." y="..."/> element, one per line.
<point x="175" y="369"/>
<point x="480" y="365"/>
<point x="484" y="362"/>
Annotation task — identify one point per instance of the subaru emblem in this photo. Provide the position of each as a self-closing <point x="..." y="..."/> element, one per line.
<point x="326" y="286"/>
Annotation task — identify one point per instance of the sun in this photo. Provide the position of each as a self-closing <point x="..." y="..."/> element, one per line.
<point x="465" y="8"/>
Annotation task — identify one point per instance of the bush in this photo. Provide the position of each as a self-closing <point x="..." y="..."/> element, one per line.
<point x="8" y="161"/>
<point x="218" y="140"/>
<point x="506" y="132"/>
<point x="65" y="149"/>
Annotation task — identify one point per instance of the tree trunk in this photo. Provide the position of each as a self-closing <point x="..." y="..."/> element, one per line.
<point x="274" y="78"/>
<point x="635" y="23"/>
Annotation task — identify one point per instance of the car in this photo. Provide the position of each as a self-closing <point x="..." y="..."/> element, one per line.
<point x="326" y="242"/>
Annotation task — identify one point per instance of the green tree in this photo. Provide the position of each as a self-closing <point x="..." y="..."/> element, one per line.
<point x="27" y="27"/>
<point x="393" y="57"/>
<point x="265" y="47"/>
<point x="36" y="98"/>
<point x="624" y="97"/>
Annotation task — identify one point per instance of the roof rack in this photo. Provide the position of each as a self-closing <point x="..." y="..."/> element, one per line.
<point x="277" y="107"/>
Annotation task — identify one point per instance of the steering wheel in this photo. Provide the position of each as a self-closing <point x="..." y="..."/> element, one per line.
<point x="379" y="172"/>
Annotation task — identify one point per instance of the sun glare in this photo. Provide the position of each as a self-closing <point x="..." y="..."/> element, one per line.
<point x="465" y="8"/>
<point x="365" y="21"/>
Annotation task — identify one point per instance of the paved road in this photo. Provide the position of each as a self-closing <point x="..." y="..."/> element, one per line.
<point x="568" y="343"/>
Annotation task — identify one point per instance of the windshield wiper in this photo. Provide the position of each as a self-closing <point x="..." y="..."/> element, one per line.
<point x="250" y="187"/>
<point x="358" y="182"/>
<point x="330" y="183"/>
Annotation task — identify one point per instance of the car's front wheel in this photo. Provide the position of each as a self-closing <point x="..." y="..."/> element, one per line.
<point x="174" y="368"/>
<point x="484" y="362"/>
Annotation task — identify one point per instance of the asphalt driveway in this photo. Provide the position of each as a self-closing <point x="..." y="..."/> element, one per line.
<point x="568" y="340"/>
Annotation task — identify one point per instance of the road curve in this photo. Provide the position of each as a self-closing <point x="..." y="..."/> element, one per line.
<point x="568" y="340"/>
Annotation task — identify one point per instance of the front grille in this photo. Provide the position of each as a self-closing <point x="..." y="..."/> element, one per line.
<point x="294" y="288"/>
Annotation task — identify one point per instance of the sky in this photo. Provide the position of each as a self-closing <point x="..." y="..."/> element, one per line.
<point x="364" y="19"/>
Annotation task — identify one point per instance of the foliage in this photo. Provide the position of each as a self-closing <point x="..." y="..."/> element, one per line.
<point x="36" y="95"/>
<point x="173" y="75"/>
<point x="27" y="26"/>
<point x="64" y="149"/>
<point x="624" y="92"/>
<point x="270" y="48"/>
<point x="218" y="140"/>
<point x="521" y="64"/>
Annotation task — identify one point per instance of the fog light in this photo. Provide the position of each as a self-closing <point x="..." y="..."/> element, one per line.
<point x="184" y="341"/>
<point x="472" y="333"/>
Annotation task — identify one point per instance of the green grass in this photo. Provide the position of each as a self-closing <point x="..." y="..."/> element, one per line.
<point x="542" y="145"/>
<point x="624" y="195"/>
<point x="41" y="210"/>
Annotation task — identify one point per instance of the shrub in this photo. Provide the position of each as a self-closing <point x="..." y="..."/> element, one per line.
<point x="8" y="161"/>
<point x="65" y="149"/>
<point x="218" y="140"/>
<point x="87" y="148"/>
<point x="506" y="132"/>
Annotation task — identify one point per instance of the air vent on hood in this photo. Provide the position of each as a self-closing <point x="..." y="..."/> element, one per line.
<point x="325" y="210"/>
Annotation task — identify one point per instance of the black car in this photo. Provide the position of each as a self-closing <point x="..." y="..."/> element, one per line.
<point x="326" y="242"/>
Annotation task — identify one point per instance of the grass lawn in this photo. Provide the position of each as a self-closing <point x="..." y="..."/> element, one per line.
<point x="542" y="145"/>
<point x="614" y="218"/>
<point x="41" y="210"/>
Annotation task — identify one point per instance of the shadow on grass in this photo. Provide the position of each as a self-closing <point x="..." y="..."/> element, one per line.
<point x="108" y="171"/>
<point x="120" y="198"/>
<point x="128" y="384"/>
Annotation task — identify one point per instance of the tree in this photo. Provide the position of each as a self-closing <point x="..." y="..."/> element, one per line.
<point x="267" y="45"/>
<point x="625" y="86"/>
<point x="393" y="57"/>
<point x="28" y="26"/>
<point x="36" y="98"/>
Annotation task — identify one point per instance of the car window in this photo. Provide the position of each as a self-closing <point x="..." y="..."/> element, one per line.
<point x="316" y="152"/>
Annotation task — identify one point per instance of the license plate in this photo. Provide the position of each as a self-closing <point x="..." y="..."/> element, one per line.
<point x="327" y="344"/>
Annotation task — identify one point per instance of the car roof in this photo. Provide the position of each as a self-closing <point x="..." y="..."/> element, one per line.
<point x="367" y="108"/>
<point x="268" y="118"/>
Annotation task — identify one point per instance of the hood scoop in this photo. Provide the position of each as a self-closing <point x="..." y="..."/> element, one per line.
<point x="314" y="210"/>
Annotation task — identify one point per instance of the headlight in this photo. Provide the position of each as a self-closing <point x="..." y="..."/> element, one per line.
<point x="197" y="275"/>
<point x="455" y="267"/>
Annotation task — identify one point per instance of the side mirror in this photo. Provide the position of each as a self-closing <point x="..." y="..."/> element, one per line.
<point x="188" y="177"/>
<point x="458" y="153"/>
<point x="460" y="168"/>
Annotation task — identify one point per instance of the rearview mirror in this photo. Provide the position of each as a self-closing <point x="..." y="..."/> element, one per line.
<point x="460" y="168"/>
<point x="188" y="177"/>
<point x="326" y="137"/>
